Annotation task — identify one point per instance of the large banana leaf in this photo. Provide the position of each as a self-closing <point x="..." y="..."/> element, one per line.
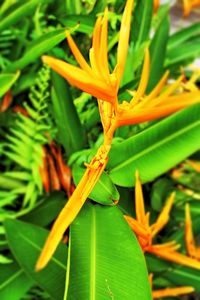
<point x="157" y="149"/>
<point x="106" y="261"/>
<point x="26" y="242"/>
<point x="14" y="283"/>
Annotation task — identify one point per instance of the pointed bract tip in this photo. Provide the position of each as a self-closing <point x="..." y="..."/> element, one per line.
<point x="39" y="265"/>
<point x="137" y="175"/>
<point x="45" y="59"/>
<point x="67" y="33"/>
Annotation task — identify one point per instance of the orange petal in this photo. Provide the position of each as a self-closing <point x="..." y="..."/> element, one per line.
<point x="156" y="5"/>
<point x="194" y="164"/>
<point x="139" y="201"/>
<point x="137" y="227"/>
<point x="55" y="182"/>
<point x="72" y="208"/>
<point x="189" y="238"/>
<point x="154" y="93"/>
<point x="144" y="79"/>
<point x="151" y="280"/>
<point x="169" y="90"/>
<point x="43" y="170"/>
<point x="170" y="246"/>
<point x="186" y="7"/>
<point x="163" y="218"/>
<point x="81" y="79"/>
<point x="176" y="257"/>
<point x="123" y="39"/>
<point x="103" y="58"/>
<point x="175" y="103"/>
<point x="64" y="173"/>
<point x="94" y="51"/>
<point x="172" y="292"/>
<point x="77" y="54"/>
<point x="6" y="102"/>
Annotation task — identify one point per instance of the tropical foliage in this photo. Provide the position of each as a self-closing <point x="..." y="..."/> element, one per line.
<point x="100" y="162"/>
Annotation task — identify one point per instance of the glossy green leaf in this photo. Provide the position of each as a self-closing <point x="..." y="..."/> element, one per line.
<point x="182" y="55"/>
<point x="47" y="210"/>
<point x="141" y="23"/>
<point x="176" y="274"/>
<point x="26" y="8"/>
<point x="70" y="132"/>
<point x="180" y="37"/>
<point x="157" y="149"/>
<point x="104" y="191"/>
<point x="85" y="23"/>
<point x="37" y="48"/>
<point x="73" y="7"/>
<point x="157" y="53"/>
<point x="14" y="283"/>
<point x="106" y="261"/>
<point x="6" y="81"/>
<point x="26" y="242"/>
<point x="184" y="276"/>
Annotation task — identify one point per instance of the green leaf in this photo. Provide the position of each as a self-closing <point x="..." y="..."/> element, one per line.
<point x="184" y="276"/>
<point x="17" y="14"/>
<point x="85" y="23"/>
<point x="73" y="7"/>
<point x="26" y="242"/>
<point x="47" y="210"/>
<point x="37" y="48"/>
<point x="182" y="55"/>
<point x="141" y="24"/>
<point x="183" y="35"/>
<point x="14" y="283"/>
<point x="6" y="81"/>
<point x="104" y="191"/>
<point x="157" y="53"/>
<point x="70" y="132"/>
<point x="106" y="261"/>
<point x="157" y="149"/>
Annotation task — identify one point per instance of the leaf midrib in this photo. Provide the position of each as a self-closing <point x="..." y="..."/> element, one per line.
<point x="11" y="278"/>
<point x="93" y="257"/>
<point x="154" y="146"/>
<point x="40" y="248"/>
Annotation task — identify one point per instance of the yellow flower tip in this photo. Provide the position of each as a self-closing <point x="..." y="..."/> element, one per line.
<point x="45" y="59"/>
<point x="172" y="292"/>
<point x="41" y="263"/>
<point x="137" y="175"/>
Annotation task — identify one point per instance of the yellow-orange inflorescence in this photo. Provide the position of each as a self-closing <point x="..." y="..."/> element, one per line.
<point x="97" y="80"/>
<point x="189" y="5"/>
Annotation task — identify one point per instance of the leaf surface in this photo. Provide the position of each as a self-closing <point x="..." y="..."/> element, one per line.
<point x="157" y="149"/>
<point x="26" y="242"/>
<point x="106" y="261"/>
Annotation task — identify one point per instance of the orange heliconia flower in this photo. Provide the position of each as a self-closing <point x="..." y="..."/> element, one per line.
<point x="156" y="5"/>
<point x="146" y="232"/>
<point x="169" y="291"/>
<point x="97" y="80"/>
<point x="172" y="292"/>
<point x="188" y="5"/>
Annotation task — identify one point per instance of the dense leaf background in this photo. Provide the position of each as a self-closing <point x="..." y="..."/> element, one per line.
<point x="100" y="257"/>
